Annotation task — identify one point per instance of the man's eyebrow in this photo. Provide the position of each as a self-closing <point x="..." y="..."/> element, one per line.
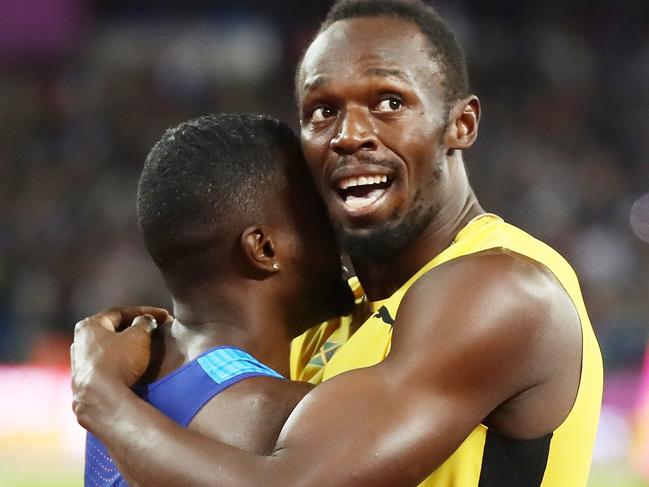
<point x="386" y="73"/>
<point x="315" y="83"/>
<point x="320" y="80"/>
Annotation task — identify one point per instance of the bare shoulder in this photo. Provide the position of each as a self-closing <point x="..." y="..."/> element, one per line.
<point x="499" y="330"/>
<point x="496" y="288"/>
<point x="251" y="413"/>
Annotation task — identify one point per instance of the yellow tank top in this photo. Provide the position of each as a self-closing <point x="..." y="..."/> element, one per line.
<point x="565" y="455"/>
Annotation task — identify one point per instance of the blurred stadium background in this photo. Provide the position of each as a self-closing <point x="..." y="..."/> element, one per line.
<point x="87" y="86"/>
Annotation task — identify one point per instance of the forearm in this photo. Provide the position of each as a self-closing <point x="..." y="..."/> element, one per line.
<point x="385" y="449"/>
<point x="152" y="450"/>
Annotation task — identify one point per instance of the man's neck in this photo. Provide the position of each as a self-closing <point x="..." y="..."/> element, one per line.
<point x="380" y="278"/>
<point x="201" y="325"/>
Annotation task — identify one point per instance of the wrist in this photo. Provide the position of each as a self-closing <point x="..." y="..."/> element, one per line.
<point x="96" y="400"/>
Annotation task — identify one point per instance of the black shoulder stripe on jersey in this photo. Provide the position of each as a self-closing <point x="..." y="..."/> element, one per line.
<point x="513" y="463"/>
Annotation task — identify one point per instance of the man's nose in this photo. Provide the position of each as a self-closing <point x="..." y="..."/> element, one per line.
<point x="355" y="132"/>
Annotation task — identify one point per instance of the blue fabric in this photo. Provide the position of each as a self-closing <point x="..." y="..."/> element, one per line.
<point x="100" y="469"/>
<point x="179" y="395"/>
<point x="223" y="364"/>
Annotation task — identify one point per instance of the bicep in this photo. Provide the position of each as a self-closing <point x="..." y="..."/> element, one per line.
<point x="368" y="427"/>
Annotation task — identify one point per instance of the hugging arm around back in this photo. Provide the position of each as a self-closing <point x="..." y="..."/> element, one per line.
<point x="472" y="338"/>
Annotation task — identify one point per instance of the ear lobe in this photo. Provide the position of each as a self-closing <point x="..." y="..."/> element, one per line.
<point x="258" y="248"/>
<point x="463" y="129"/>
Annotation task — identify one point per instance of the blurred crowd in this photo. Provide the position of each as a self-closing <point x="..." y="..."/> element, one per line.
<point x="87" y="87"/>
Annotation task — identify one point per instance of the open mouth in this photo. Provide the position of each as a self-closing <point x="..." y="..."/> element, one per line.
<point x="361" y="192"/>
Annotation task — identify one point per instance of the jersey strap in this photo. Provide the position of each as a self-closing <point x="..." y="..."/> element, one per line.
<point x="181" y="394"/>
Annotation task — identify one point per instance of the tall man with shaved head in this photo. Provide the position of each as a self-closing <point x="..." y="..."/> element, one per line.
<point x="478" y="365"/>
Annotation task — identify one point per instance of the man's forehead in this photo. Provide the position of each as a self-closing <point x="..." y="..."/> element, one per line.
<point x="382" y="36"/>
<point x="374" y="46"/>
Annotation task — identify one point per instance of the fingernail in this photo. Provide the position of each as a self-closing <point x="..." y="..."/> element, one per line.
<point x="152" y="321"/>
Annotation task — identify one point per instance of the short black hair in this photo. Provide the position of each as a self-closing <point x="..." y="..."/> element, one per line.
<point x="442" y="41"/>
<point x="207" y="178"/>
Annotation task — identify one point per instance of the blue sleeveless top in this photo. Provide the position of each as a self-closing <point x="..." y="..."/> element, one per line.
<point x="179" y="395"/>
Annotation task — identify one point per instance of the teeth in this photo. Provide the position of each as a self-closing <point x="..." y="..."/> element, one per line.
<point x="348" y="183"/>
<point x="361" y="181"/>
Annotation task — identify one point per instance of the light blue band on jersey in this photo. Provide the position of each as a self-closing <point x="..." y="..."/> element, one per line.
<point x="223" y="364"/>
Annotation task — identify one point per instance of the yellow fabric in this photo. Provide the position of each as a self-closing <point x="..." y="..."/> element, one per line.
<point x="572" y="443"/>
<point x="315" y="347"/>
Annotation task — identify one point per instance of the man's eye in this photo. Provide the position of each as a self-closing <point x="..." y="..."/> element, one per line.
<point x="391" y="104"/>
<point x="322" y="113"/>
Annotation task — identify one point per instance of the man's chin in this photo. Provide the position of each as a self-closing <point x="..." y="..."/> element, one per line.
<point x="384" y="239"/>
<point x="372" y="243"/>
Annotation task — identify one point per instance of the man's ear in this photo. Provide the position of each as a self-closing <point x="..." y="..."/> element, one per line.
<point x="464" y="119"/>
<point x="259" y="249"/>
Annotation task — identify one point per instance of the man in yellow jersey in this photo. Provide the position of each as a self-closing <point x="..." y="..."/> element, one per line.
<point x="478" y="365"/>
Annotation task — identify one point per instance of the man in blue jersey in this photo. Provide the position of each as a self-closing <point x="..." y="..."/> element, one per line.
<point x="230" y="216"/>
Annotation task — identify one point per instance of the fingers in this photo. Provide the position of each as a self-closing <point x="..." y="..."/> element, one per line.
<point x="146" y="323"/>
<point x="118" y="318"/>
<point x="141" y="328"/>
<point x="160" y="315"/>
<point x="125" y="315"/>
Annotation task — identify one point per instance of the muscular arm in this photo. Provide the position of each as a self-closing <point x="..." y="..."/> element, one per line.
<point x="468" y="337"/>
